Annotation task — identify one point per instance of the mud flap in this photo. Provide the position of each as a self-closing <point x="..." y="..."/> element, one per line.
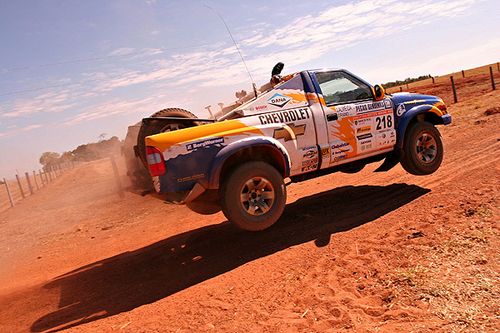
<point x="390" y="162"/>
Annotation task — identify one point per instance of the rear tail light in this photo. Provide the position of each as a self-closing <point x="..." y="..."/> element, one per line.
<point x="155" y="160"/>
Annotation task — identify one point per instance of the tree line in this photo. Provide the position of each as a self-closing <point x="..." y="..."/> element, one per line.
<point x="83" y="153"/>
<point x="406" y="81"/>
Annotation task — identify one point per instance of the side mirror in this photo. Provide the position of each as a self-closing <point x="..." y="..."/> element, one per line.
<point x="378" y="92"/>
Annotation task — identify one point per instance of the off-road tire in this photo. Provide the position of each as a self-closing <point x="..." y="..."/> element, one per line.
<point x="422" y="151"/>
<point x="152" y="128"/>
<point x="235" y="188"/>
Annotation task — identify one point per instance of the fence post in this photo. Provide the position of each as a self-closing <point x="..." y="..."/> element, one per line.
<point x="492" y="78"/>
<point x="433" y="81"/>
<point x="8" y="193"/>
<point x="36" y="181"/>
<point x="29" y="183"/>
<point x="117" y="177"/>
<point x="41" y="177"/>
<point x="20" y="186"/>
<point x="455" y="99"/>
<point x="463" y="74"/>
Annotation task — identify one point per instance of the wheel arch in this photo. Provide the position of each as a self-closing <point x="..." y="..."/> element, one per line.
<point x="428" y="113"/>
<point x="254" y="149"/>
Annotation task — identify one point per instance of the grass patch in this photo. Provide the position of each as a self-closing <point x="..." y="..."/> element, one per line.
<point x="457" y="279"/>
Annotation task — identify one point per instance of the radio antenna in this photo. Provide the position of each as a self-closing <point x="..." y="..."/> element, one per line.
<point x="237" y="47"/>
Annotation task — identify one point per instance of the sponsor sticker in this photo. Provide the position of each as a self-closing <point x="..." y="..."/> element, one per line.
<point x="204" y="143"/>
<point x="386" y="138"/>
<point x="344" y="111"/>
<point x="340" y="145"/>
<point x="364" y="129"/>
<point x="309" y="167"/>
<point x="260" y="107"/>
<point x="314" y="161"/>
<point x="372" y="106"/>
<point x="284" y="116"/>
<point x="310" y="153"/>
<point x="363" y="121"/>
<point x="339" y="158"/>
<point x="400" y="110"/>
<point x="364" y="136"/>
<point x="366" y="147"/>
<point x="191" y="178"/>
<point x="387" y="103"/>
<point x="339" y="150"/>
<point x="279" y="100"/>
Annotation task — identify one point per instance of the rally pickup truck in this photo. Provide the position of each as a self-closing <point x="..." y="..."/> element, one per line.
<point x="303" y="125"/>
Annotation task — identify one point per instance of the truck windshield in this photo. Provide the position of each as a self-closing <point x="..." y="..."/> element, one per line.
<point x="339" y="87"/>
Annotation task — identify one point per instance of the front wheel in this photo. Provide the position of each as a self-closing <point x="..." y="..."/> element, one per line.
<point x="422" y="150"/>
<point x="253" y="196"/>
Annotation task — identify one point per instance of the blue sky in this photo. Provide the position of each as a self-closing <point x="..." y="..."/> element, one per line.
<point x="71" y="70"/>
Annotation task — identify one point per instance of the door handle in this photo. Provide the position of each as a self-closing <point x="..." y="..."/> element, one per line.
<point x="332" y="117"/>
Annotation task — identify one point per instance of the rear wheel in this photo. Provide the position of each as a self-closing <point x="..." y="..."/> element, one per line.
<point x="422" y="150"/>
<point x="254" y="196"/>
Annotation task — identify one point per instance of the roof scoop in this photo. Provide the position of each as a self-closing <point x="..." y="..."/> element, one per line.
<point x="277" y="69"/>
<point x="276" y="73"/>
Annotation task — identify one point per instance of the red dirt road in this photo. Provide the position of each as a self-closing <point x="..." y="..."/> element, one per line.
<point x="369" y="252"/>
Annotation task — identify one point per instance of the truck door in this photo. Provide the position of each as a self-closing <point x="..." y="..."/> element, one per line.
<point x="357" y="125"/>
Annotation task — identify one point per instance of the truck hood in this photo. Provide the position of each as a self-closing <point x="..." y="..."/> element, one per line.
<point x="410" y="98"/>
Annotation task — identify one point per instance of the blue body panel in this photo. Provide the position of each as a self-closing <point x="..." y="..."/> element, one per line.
<point x="228" y="151"/>
<point x="413" y="104"/>
<point x="184" y="171"/>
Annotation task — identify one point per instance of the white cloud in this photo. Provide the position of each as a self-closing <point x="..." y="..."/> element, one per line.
<point x="116" y="107"/>
<point x="346" y="25"/>
<point x="123" y="51"/>
<point x="452" y="61"/>
<point x="302" y="40"/>
<point x="14" y="130"/>
<point x="296" y="42"/>
<point x="52" y="101"/>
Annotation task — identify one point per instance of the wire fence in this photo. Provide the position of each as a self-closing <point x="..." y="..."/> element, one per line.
<point x="458" y="86"/>
<point x="101" y="178"/>
<point x="21" y="186"/>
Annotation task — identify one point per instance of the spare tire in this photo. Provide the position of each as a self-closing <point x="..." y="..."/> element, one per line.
<point x="154" y="127"/>
<point x="134" y="148"/>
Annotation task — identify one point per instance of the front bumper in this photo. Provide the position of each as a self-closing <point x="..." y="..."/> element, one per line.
<point x="446" y="119"/>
